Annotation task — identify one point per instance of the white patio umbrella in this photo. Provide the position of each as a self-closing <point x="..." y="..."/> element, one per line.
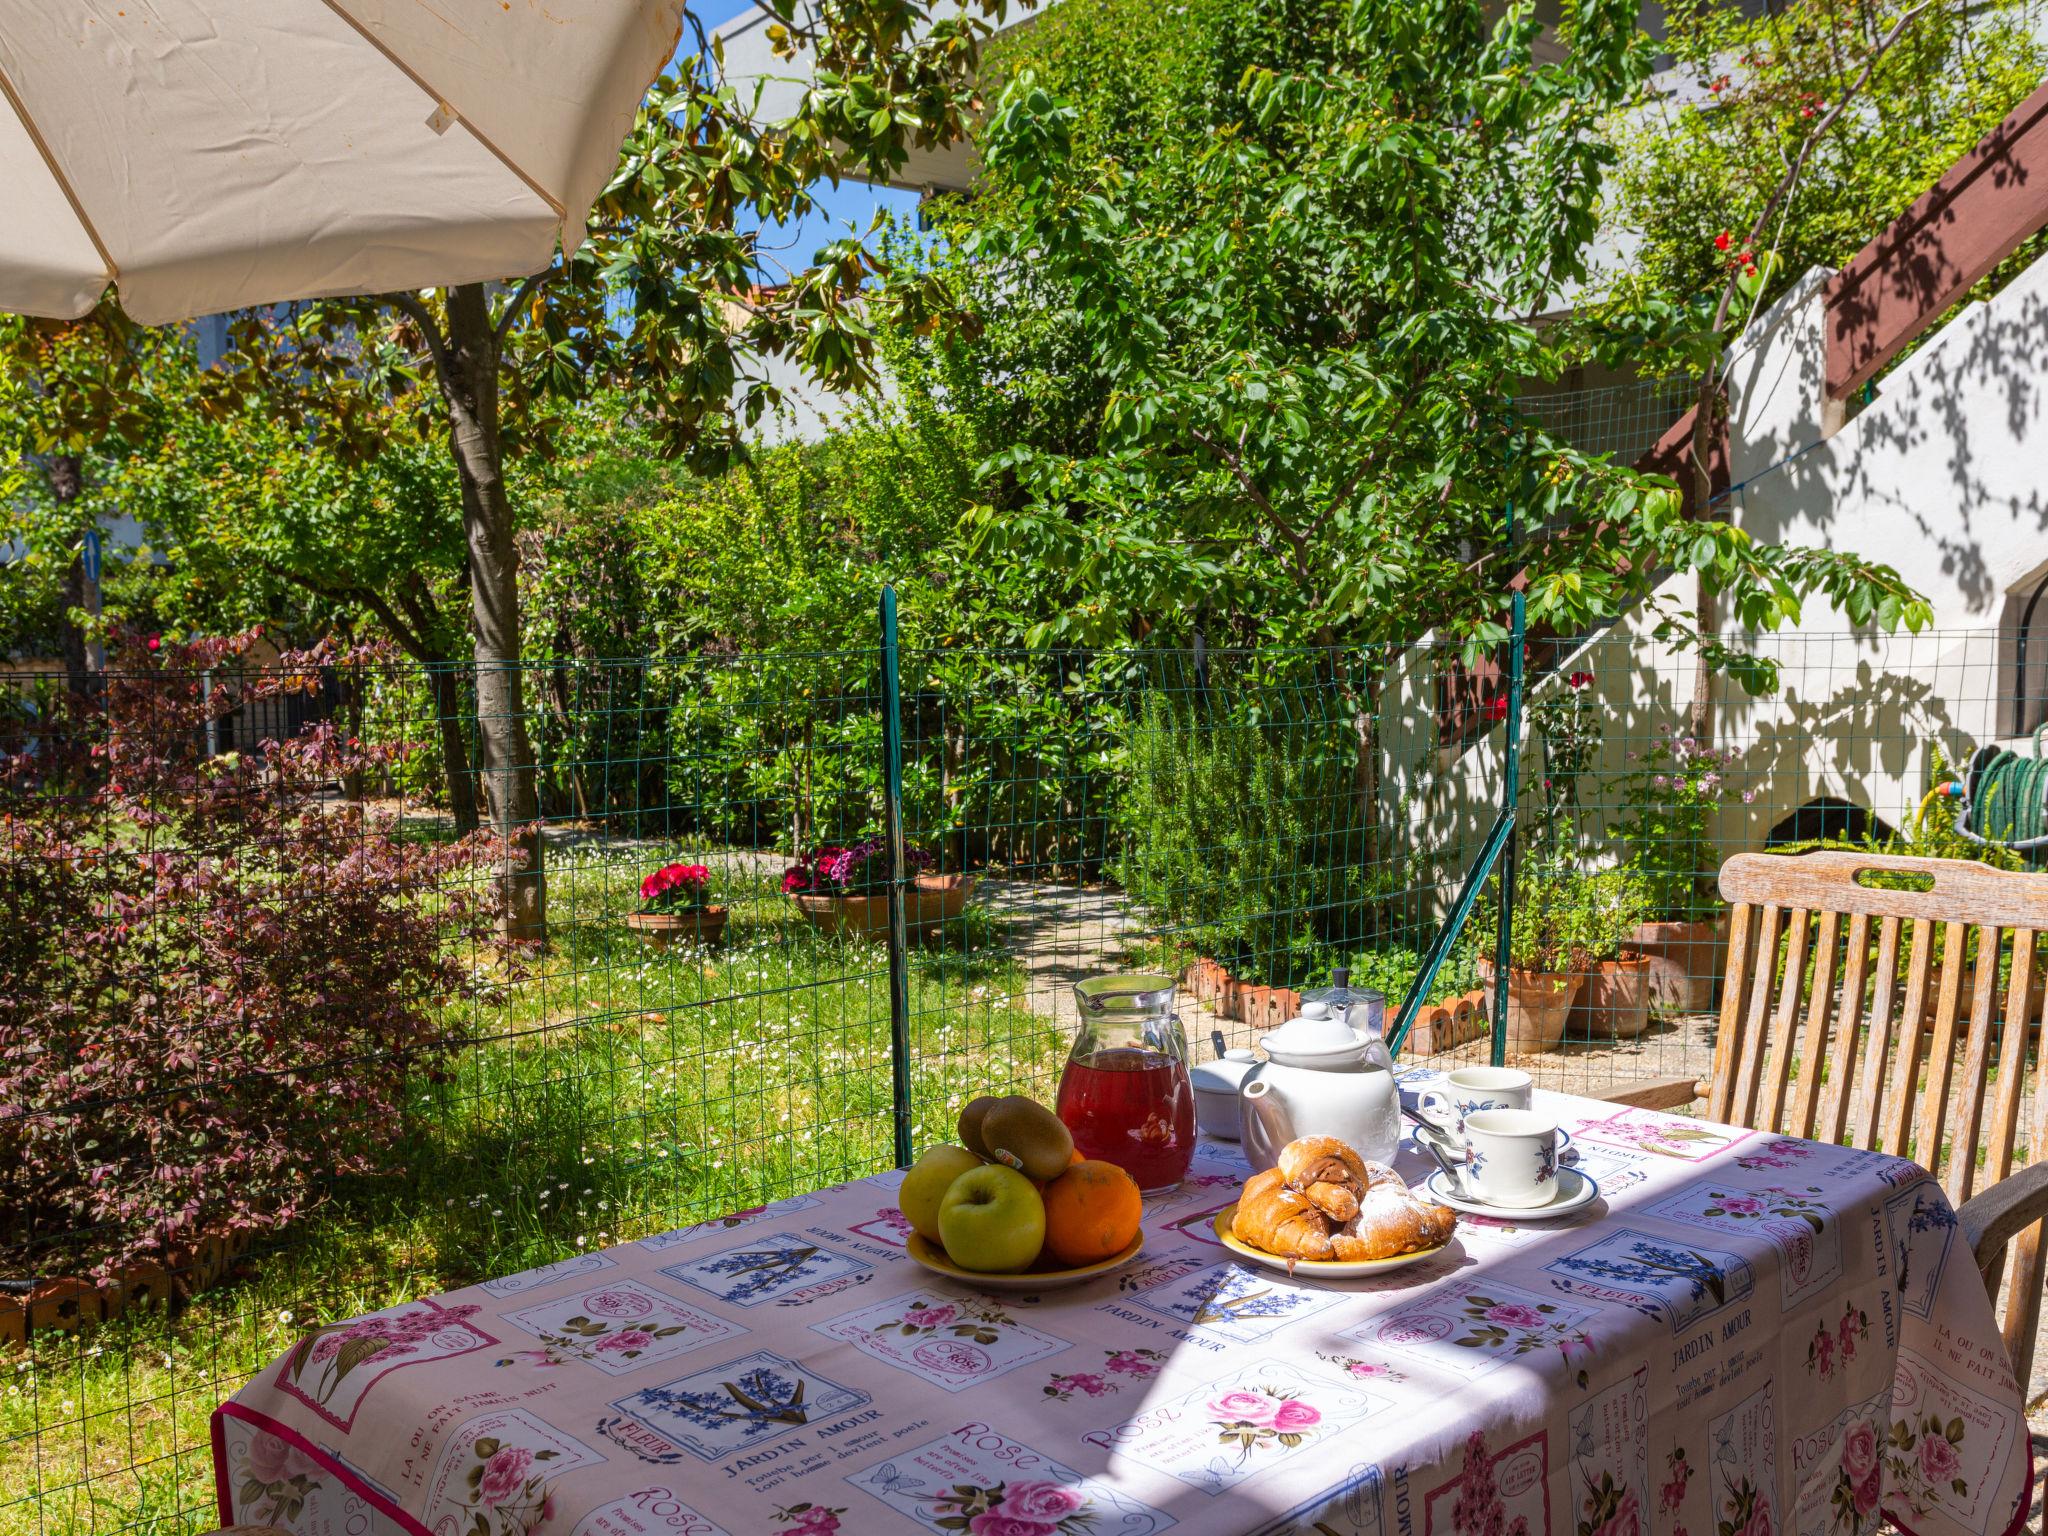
<point x="208" y="155"/>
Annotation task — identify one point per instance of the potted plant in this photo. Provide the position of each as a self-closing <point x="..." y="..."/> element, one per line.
<point x="675" y="903"/>
<point x="1669" y="799"/>
<point x="1552" y="942"/>
<point x="1614" y="996"/>
<point x="846" y="890"/>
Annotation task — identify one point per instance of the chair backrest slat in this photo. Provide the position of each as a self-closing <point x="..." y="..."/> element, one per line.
<point x="1883" y="993"/>
<point x="1874" y="1000"/>
<point x="1905" y="1087"/>
<point x="1750" y="1061"/>
<point x="1784" y="1042"/>
<point x="1833" y="1124"/>
<point x="1813" y="1049"/>
<point x="2012" y="1062"/>
<point x="1932" y="1109"/>
<point x="1972" y="1083"/>
<point x="1734" y="998"/>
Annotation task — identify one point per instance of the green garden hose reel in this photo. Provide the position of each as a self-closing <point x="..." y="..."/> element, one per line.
<point x="2002" y="797"/>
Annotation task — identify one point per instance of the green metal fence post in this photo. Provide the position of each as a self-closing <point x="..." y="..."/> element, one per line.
<point x="899" y="936"/>
<point x="1510" y="798"/>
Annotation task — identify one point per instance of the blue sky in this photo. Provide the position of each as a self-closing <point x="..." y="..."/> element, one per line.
<point x="850" y="201"/>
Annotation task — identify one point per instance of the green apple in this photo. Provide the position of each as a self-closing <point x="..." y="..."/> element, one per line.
<point x="925" y="1185"/>
<point x="992" y="1220"/>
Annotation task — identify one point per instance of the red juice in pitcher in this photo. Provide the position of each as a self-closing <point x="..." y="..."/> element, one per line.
<point x="1134" y="1107"/>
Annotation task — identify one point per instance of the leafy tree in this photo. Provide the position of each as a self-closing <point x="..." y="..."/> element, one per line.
<point x="1303" y="322"/>
<point x="1792" y="139"/>
<point x="72" y="395"/>
<point x="248" y="507"/>
<point x="659" y="302"/>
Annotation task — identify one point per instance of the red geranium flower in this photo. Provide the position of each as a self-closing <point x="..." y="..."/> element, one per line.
<point x="1496" y="708"/>
<point x="1723" y="240"/>
<point x="1581" y="679"/>
<point x="795" y="878"/>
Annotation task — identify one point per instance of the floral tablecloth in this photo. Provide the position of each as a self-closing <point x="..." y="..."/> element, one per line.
<point x="1744" y="1335"/>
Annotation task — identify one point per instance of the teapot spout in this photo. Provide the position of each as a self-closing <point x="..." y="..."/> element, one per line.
<point x="1265" y="1124"/>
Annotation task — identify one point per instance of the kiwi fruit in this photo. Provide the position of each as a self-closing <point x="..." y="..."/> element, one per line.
<point x="970" y="1124"/>
<point x="1026" y="1135"/>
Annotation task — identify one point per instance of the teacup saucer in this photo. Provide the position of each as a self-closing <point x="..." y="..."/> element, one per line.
<point x="1575" y="1191"/>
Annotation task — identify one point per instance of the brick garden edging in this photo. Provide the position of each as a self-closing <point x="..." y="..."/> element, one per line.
<point x="1438" y="1027"/>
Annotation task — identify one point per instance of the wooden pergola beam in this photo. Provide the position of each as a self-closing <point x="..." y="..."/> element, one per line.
<point x="1979" y="213"/>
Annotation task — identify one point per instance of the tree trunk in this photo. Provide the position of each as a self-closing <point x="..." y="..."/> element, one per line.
<point x="447" y="695"/>
<point x="469" y="383"/>
<point x="67" y="483"/>
<point x="1701" y="722"/>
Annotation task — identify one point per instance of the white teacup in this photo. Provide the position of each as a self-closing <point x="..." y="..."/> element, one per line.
<point x="1511" y="1157"/>
<point x="1469" y="1090"/>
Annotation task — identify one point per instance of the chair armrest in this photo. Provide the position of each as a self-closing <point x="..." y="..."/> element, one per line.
<point x="1992" y="1219"/>
<point x="1657" y="1093"/>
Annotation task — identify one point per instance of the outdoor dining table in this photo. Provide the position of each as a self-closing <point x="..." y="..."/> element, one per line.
<point x="1745" y="1334"/>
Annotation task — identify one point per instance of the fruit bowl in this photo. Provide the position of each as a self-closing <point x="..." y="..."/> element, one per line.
<point x="1045" y="1274"/>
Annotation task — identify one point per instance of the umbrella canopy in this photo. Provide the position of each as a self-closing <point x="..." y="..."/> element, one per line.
<point x="214" y="154"/>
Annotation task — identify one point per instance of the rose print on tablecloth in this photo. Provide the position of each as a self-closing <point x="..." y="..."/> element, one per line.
<point x="1745" y="1512"/>
<point x="1923" y="1455"/>
<point x="1666" y="1136"/>
<point x="1118" y="1367"/>
<point x="1610" y="1509"/>
<point x="1833" y="1345"/>
<point x="1516" y="1328"/>
<point x="1677" y="1478"/>
<point x="968" y="1317"/>
<point x="507" y="1488"/>
<point x="1363" y="1370"/>
<point x="1028" y="1508"/>
<point x="272" y="1478"/>
<point x="808" y="1519"/>
<point x="1249" y="1418"/>
<point x="1859" y="1484"/>
<point x="1780" y="1152"/>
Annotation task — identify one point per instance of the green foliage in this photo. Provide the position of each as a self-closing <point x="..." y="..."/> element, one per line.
<point x="1566" y="919"/>
<point x="1246" y="839"/>
<point x="1705" y="160"/>
<point x="1668" y="799"/>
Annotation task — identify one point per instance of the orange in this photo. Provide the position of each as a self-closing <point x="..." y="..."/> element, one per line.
<point x="1091" y="1212"/>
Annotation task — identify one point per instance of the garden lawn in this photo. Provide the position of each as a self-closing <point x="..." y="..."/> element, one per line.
<point x="604" y="1092"/>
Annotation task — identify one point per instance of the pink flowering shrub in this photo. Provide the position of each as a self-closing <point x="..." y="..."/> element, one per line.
<point x="1669" y="797"/>
<point x="862" y="870"/>
<point x="215" y="973"/>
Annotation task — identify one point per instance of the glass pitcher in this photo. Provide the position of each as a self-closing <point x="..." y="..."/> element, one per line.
<point x="1125" y="1093"/>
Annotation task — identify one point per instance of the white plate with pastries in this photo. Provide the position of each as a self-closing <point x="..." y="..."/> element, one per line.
<point x="1322" y="1210"/>
<point x="1317" y="1269"/>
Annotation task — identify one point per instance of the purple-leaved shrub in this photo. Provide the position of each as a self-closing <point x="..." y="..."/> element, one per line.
<point x="215" y="973"/>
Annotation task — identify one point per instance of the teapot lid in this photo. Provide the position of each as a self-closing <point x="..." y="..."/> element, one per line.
<point x="1316" y="1034"/>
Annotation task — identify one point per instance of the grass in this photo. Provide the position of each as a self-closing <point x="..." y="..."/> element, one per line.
<point x="606" y="1092"/>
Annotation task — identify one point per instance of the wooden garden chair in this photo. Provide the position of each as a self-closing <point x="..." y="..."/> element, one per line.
<point x="1851" y="1012"/>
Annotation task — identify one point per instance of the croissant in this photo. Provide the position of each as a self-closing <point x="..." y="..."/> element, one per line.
<point x="1275" y="1218"/>
<point x="1392" y="1219"/>
<point x="1323" y="1160"/>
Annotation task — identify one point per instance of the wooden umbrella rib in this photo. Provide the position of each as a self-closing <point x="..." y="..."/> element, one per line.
<point x="439" y="100"/>
<point x="56" y="171"/>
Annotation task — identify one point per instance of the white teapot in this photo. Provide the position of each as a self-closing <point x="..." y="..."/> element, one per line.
<point x="1322" y="1077"/>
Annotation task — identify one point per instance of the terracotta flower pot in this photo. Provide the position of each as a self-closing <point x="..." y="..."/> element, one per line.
<point x="1613" y="1001"/>
<point x="1685" y="962"/>
<point x="13" y="1319"/>
<point x="930" y="903"/>
<point x="1539" y="1002"/>
<point x="659" y="930"/>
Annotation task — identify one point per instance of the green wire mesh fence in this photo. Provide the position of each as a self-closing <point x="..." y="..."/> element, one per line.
<point x="1249" y="820"/>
